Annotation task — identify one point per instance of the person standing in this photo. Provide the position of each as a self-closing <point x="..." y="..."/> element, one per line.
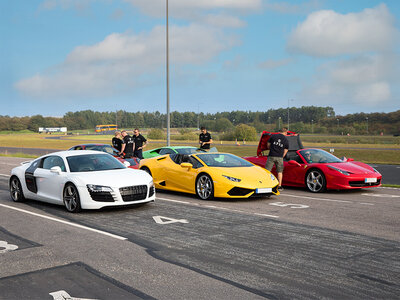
<point x="205" y="139"/>
<point x="116" y="141"/>
<point x="128" y="145"/>
<point x="140" y="143"/>
<point x="278" y="146"/>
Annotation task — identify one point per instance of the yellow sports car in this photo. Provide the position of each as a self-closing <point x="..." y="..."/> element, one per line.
<point x="210" y="175"/>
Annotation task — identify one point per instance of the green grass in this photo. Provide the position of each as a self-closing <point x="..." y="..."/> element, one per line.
<point x="19" y="154"/>
<point x="391" y="185"/>
<point x="368" y="155"/>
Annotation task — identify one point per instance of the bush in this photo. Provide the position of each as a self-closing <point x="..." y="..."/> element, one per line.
<point x="156" y="134"/>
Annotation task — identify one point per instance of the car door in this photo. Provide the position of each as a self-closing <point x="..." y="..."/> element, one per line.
<point x="294" y="169"/>
<point x="182" y="178"/>
<point x="50" y="184"/>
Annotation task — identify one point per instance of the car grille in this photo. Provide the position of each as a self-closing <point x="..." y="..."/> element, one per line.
<point x="132" y="193"/>
<point x="361" y="183"/>
<point x="237" y="191"/>
<point x="151" y="192"/>
<point x="101" y="196"/>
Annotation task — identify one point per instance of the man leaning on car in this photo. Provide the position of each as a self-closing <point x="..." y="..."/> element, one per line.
<point x="278" y="146"/>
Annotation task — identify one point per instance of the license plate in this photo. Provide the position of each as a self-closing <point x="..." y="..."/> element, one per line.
<point x="263" y="190"/>
<point x="369" y="180"/>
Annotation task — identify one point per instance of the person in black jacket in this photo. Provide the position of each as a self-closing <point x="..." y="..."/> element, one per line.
<point x="128" y="145"/>
<point x="140" y="143"/>
<point x="117" y="141"/>
<point x="205" y="139"/>
<point x="278" y="146"/>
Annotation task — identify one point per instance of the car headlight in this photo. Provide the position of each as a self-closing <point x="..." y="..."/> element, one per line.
<point x="98" y="188"/>
<point x="232" y="178"/>
<point x="272" y="177"/>
<point x="339" y="170"/>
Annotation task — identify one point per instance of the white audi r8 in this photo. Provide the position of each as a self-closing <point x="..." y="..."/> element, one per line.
<point x="81" y="179"/>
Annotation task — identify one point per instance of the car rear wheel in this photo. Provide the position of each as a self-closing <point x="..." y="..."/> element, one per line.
<point x="204" y="187"/>
<point x="16" y="193"/>
<point x="71" y="198"/>
<point x="315" y="181"/>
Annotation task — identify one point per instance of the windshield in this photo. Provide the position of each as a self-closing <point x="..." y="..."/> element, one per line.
<point x="319" y="156"/>
<point x="93" y="162"/>
<point x="104" y="148"/>
<point x="223" y="160"/>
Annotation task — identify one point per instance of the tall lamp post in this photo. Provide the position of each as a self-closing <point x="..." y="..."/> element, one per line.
<point x="279" y="124"/>
<point x="167" y="71"/>
<point x="312" y="126"/>
<point x="367" y="124"/>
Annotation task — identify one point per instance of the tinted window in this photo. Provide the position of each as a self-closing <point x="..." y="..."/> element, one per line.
<point x="53" y="161"/>
<point x="166" y="151"/>
<point x="93" y="162"/>
<point x="319" y="156"/>
<point x="223" y="160"/>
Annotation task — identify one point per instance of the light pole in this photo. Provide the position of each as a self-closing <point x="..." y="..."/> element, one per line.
<point x="337" y="123"/>
<point x="367" y="124"/>
<point x="167" y="71"/>
<point x="288" y="122"/>
<point x="312" y="126"/>
<point x="279" y="124"/>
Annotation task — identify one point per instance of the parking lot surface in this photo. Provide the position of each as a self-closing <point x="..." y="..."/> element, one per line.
<point x="297" y="245"/>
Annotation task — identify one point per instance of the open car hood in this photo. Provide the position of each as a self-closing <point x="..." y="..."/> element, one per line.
<point x="293" y="138"/>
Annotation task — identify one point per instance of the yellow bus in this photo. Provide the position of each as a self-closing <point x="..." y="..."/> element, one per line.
<point x="105" y="128"/>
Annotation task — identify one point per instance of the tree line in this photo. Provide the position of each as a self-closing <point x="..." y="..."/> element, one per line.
<point x="305" y="119"/>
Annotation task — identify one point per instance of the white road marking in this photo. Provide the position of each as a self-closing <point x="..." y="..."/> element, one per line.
<point x="319" y="199"/>
<point x="381" y="195"/>
<point x="6" y="247"/>
<point x="5" y="175"/>
<point x="217" y="207"/>
<point x="367" y="203"/>
<point x="290" y="205"/>
<point x="161" y="220"/>
<point x="66" y="222"/>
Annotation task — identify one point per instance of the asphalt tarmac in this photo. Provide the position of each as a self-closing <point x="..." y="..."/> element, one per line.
<point x="337" y="245"/>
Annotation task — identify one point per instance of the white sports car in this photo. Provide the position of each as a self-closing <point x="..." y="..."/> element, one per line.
<point x="81" y="179"/>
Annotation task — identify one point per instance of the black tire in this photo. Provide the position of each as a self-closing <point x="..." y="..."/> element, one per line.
<point x="71" y="198"/>
<point x="146" y="169"/>
<point x="204" y="187"/>
<point x="315" y="181"/>
<point x="16" y="192"/>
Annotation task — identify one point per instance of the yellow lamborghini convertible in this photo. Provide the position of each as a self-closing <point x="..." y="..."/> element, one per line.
<point x="210" y="175"/>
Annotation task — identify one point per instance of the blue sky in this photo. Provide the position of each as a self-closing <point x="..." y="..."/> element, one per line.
<point x="105" y="55"/>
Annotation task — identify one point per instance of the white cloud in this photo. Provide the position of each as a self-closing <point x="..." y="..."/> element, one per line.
<point x="123" y="60"/>
<point x="327" y="33"/>
<point x="290" y="8"/>
<point x="223" y="20"/>
<point x="362" y="80"/>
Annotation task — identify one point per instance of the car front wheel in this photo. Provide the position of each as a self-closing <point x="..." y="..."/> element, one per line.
<point x="71" y="198"/>
<point x="16" y="193"/>
<point x="315" y="181"/>
<point x="204" y="187"/>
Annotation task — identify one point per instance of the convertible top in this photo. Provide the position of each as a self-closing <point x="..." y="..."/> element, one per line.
<point x="293" y="138"/>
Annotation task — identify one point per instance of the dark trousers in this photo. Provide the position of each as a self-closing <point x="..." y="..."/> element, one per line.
<point x="138" y="153"/>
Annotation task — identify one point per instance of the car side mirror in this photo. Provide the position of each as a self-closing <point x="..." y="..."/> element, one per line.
<point x="186" y="165"/>
<point x="294" y="163"/>
<point x="56" y="170"/>
<point x="350" y="159"/>
<point x="127" y="163"/>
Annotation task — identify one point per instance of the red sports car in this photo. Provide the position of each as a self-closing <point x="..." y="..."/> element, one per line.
<point x="316" y="169"/>
<point x="134" y="162"/>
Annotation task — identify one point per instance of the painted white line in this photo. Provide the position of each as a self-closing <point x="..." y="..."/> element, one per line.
<point x="319" y="199"/>
<point x="367" y="203"/>
<point x="265" y="215"/>
<point x="217" y="207"/>
<point x="388" y="188"/>
<point x="5" y="175"/>
<point x="65" y="222"/>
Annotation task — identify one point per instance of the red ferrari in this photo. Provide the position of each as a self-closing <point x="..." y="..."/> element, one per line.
<point x="134" y="162"/>
<point x="316" y="169"/>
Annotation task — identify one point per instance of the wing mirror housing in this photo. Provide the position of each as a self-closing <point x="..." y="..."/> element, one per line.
<point x="56" y="170"/>
<point x="127" y="164"/>
<point x="294" y="163"/>
<point x="186" y="165"/>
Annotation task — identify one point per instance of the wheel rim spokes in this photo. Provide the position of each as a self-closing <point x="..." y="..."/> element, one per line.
<point x="314" y="181"/>
<point x="204" y="187"/>
<point x="70" y="198"/>
<point x="15" y="190"/>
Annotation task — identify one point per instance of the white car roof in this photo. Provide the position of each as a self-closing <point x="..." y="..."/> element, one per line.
<point x="68" y="153"/>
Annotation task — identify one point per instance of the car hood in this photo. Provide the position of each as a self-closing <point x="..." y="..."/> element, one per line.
<point x="354" y="167"/>
<point x="253" y="176"/>
<point x="116" y="178"/>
